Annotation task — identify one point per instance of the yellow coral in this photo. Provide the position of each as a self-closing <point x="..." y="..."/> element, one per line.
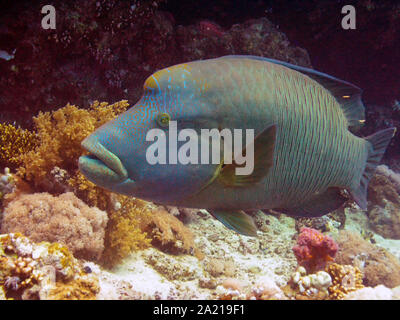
<point x="59" y="137"/>
<point x="86" y="190"/>
<point x="345" y="279"/>
<point x="123" y="233"/>
<point x="83" y="288"/>
<point x="15" y="142"/>
<point x="60" y="134"/>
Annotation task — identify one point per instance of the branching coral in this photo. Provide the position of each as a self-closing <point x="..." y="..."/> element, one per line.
<point x="313" y="249"/>
<point x="64" y="219"/>
<point x="124" y="233"/>
<point x="14" y="142"/>
<point x="60" y="134"/>
<point x="345" y="279"/>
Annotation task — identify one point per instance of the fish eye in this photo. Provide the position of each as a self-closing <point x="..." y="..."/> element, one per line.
<point x="163" y="119"/>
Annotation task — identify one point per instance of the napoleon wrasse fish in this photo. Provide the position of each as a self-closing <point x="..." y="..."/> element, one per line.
<point x="304" y="152"/>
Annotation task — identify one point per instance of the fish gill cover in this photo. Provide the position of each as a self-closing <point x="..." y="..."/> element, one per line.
<point x="125" y="200"/>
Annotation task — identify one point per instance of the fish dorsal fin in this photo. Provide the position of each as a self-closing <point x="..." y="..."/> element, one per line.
<point x="264" y="145"/>
<point x="347" y="95"/>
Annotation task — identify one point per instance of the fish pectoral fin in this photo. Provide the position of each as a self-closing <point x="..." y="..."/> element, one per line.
<point x="319" y="205"/>
<point x="237" y="221"/>
<point x="264" y="145"/>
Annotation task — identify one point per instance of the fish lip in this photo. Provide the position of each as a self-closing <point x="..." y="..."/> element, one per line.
<point x="109" y="159"/>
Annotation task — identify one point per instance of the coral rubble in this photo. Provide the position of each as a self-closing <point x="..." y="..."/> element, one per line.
<point x="42" y="271"/>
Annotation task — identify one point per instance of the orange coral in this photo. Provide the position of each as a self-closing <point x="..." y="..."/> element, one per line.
<point x="168" y="233"/>
<point x="345" y="279"/>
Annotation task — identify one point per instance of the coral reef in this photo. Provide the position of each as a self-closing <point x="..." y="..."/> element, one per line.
<point x="168" y="233"/>
<point x="304" y="286"/>
<point x="124" y="233"/>
<point x="106" y="49"/>
<point x="42" y="271"/>
<point x="313" y="249"/>
<point x="14" y="142"/>
<point x="334" y="220"/>
<point x="377" y="265"/>
<point x="7" y="184"/>
<point x="59" y="135"/>
<point x="64" y="219"/>
<point x="384" y="198"/>
<point x="170" y="269"/>
<point x="345" y="279"/>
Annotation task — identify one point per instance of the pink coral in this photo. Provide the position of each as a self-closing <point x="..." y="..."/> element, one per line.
<point x="64" y="219"/>
<point x="313" y="249"/>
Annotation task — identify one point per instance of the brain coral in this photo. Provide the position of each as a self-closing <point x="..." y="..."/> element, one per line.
<point x="64" y="219"/>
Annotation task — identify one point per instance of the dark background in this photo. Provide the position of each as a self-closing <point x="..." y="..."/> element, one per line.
<point x="104" y="50"/>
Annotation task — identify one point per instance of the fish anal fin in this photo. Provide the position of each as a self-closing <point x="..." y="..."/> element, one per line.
<point x="318" y="205"/>
<point x="236" y="220"/>
<point x="264" y="145"/>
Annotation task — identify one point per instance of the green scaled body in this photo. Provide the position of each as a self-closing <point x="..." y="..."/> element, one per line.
<point x="305" y="153"/>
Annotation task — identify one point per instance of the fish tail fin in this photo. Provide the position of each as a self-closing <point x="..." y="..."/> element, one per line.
<point x="378" y="144"/>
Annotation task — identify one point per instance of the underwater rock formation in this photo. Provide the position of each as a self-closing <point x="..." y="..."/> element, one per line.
<point x="384" y="198"/>
<point x="64" y="219"/>
<point x="377" y="265"/>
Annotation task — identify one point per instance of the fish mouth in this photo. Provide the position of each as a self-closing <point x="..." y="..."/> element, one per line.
<point x="101" y="165"/>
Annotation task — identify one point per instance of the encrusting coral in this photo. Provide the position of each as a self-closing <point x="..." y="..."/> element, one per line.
<point x="345" y="279"/>
<point x="308" y="286"/>
<point x="42" y="271"/>
<point x="64" y="219"/>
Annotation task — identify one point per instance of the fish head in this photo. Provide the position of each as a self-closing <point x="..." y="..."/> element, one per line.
<point x="121" y="152"/>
